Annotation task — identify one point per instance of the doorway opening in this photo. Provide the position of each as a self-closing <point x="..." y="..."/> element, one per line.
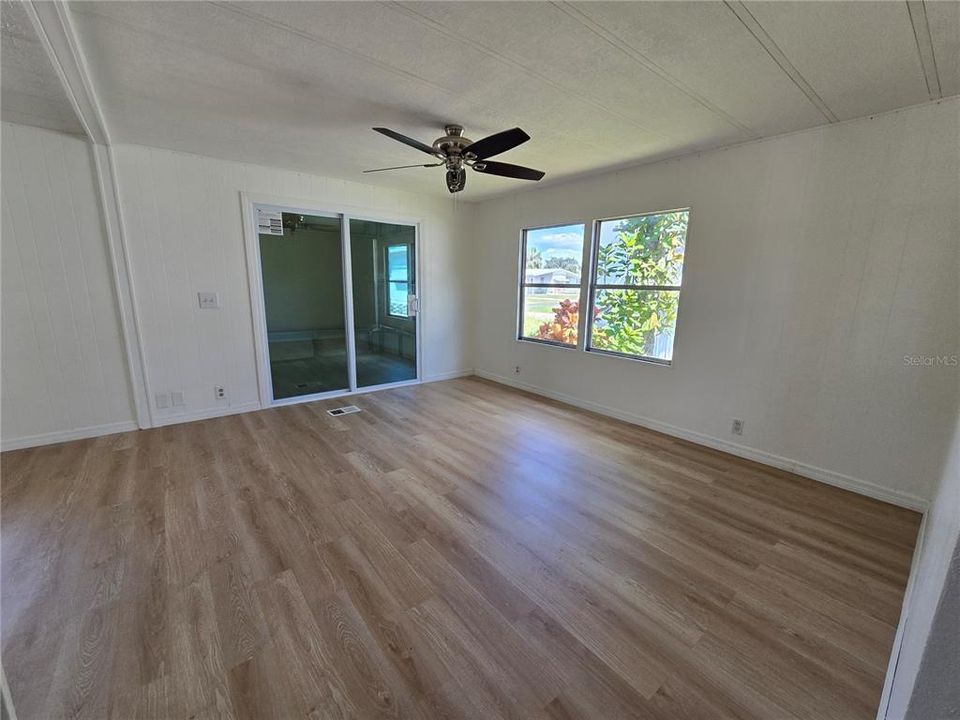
<point x="336" y="302"/>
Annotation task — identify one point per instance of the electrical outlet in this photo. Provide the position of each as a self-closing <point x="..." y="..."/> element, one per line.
<point x="219" y="392"/>
<point x="162" y="400"/>
<point x="737" y="427"/>
<point x="517" y="370"/>
<point x="176" y="398"/>
<point x="208" y="300"/>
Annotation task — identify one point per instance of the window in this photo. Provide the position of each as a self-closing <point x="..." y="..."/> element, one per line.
<point x="637" y="272"/>
<point x="550" y="284"/>
<point x="398" y="279"/>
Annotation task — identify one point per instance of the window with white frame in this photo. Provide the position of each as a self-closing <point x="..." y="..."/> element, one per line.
<point x="550" y="284"/>
<point x="398" y="279"/>
<point x="637" y="270"/>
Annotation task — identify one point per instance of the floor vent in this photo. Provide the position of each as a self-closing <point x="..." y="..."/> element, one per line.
<point x="346" y="410"/>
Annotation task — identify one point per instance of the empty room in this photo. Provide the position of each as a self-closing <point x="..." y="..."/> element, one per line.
<point x="480" y="360"/>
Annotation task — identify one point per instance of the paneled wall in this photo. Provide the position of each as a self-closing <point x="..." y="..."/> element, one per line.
<point x="819" y="266"/>
<point x="182" y="215"/>
<point x="63" y="365"/>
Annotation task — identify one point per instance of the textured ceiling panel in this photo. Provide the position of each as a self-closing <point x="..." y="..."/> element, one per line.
<point x="860" y="57"/>
<point x="943" y="19"/>
<point x="704" y="49"/>
<point x="30" y="91"/>
<point x="552" y="51"/>
<point x="597" y="86"/>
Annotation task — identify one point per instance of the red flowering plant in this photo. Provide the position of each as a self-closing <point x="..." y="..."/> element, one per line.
<point x="563" y="327"/>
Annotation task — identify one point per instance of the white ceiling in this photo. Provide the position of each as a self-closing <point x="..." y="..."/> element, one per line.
<point x="596" y="85"/>
<point x="30" y="91"/>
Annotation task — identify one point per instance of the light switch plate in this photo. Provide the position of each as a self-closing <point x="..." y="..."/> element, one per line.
<point x="208" y="300"/>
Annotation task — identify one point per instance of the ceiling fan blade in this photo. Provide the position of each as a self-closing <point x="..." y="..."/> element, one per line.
<point x="401" y="167"/>
<point x="497" y="143"/>
<point x="507" y="170"/>
<point x="422" y="147"/>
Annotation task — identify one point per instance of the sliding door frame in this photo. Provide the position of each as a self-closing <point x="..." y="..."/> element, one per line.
<point x="418" y="318"/>
<point x="250" y="203"/>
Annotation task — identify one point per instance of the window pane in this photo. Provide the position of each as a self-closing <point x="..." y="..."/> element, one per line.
<point x="397" y="262"/>
<point x="554" y="255"/>
<point x="635" y="322"/>
<point x="398" y="298"/>
<point x="642" y="250"/>
<point x="551" y="314"/>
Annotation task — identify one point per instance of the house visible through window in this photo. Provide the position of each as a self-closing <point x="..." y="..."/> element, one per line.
<point x="398" y="279"/>
<point x="550" y="284"/>
<point x="637" y="271"/>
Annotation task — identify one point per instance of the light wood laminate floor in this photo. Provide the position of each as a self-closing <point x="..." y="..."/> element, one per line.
<point x="457" y="550"/>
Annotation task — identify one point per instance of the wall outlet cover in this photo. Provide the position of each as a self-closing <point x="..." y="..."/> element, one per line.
<point x="208" y="300"/>
<point x="162" y="400"/>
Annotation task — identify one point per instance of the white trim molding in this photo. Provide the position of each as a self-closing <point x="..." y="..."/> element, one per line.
<point x="208" y="414"/>
<point x="113" y="428"/>
<point x="846" y="482"/>
<point x="60" y="436"/>
<point x="52" y="23"/>
<point x="453" y="375"/>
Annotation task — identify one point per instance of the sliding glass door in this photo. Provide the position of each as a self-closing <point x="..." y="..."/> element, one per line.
<point x="383" y="260"/>
<point x="339" y="302"/>
<point x="303" y="297"/>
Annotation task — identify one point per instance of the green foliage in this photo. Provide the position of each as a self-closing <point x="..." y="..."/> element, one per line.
<point x="564" y="263"/>
<point x="646" y="250"/>
<point x="534" y="259"/>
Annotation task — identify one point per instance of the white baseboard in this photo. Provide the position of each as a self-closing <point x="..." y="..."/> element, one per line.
<point x="439" y="377"/>
<point x="255" y="405"/>
<point x="60" y="436"/>
<point x="847" y="482"/>
<point x="207" y="414"/>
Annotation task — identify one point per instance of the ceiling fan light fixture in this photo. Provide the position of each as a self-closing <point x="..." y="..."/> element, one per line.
<point x="456" y="179"/>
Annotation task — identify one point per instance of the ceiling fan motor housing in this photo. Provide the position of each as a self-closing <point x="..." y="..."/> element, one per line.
<point x="452" y="144"/>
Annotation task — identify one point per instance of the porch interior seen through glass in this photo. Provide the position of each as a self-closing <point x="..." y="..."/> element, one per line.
<point x="383" y="259"/>
<point x="303" y="296"/>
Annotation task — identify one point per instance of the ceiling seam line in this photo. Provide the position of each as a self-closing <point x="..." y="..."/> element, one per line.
<point x="620" y="44"/>
<point x="443" y="30"/>
<point x="920" y="24"/>
<point x="90" y="118"/>
<point x="754" y="27"/>
<point x="257" y="17"/>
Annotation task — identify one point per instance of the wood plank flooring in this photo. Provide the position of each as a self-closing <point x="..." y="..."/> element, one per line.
<point x="457" y="550"/>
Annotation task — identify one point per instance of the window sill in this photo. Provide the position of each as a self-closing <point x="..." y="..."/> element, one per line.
<point x="631" y="358"/>
<point x="547" y="343"/>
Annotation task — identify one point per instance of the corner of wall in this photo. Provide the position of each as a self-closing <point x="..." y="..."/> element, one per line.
<point x="936" y="546"/>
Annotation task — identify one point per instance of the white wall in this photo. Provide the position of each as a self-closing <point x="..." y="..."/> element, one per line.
<point x="815" y="263"/>
<point x="182" y="216"/>
<point x="63" y="369"/>
<point x="938" y="548"/>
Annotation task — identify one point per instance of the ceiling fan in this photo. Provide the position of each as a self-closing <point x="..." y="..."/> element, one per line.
<point x="458" y="153"/>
